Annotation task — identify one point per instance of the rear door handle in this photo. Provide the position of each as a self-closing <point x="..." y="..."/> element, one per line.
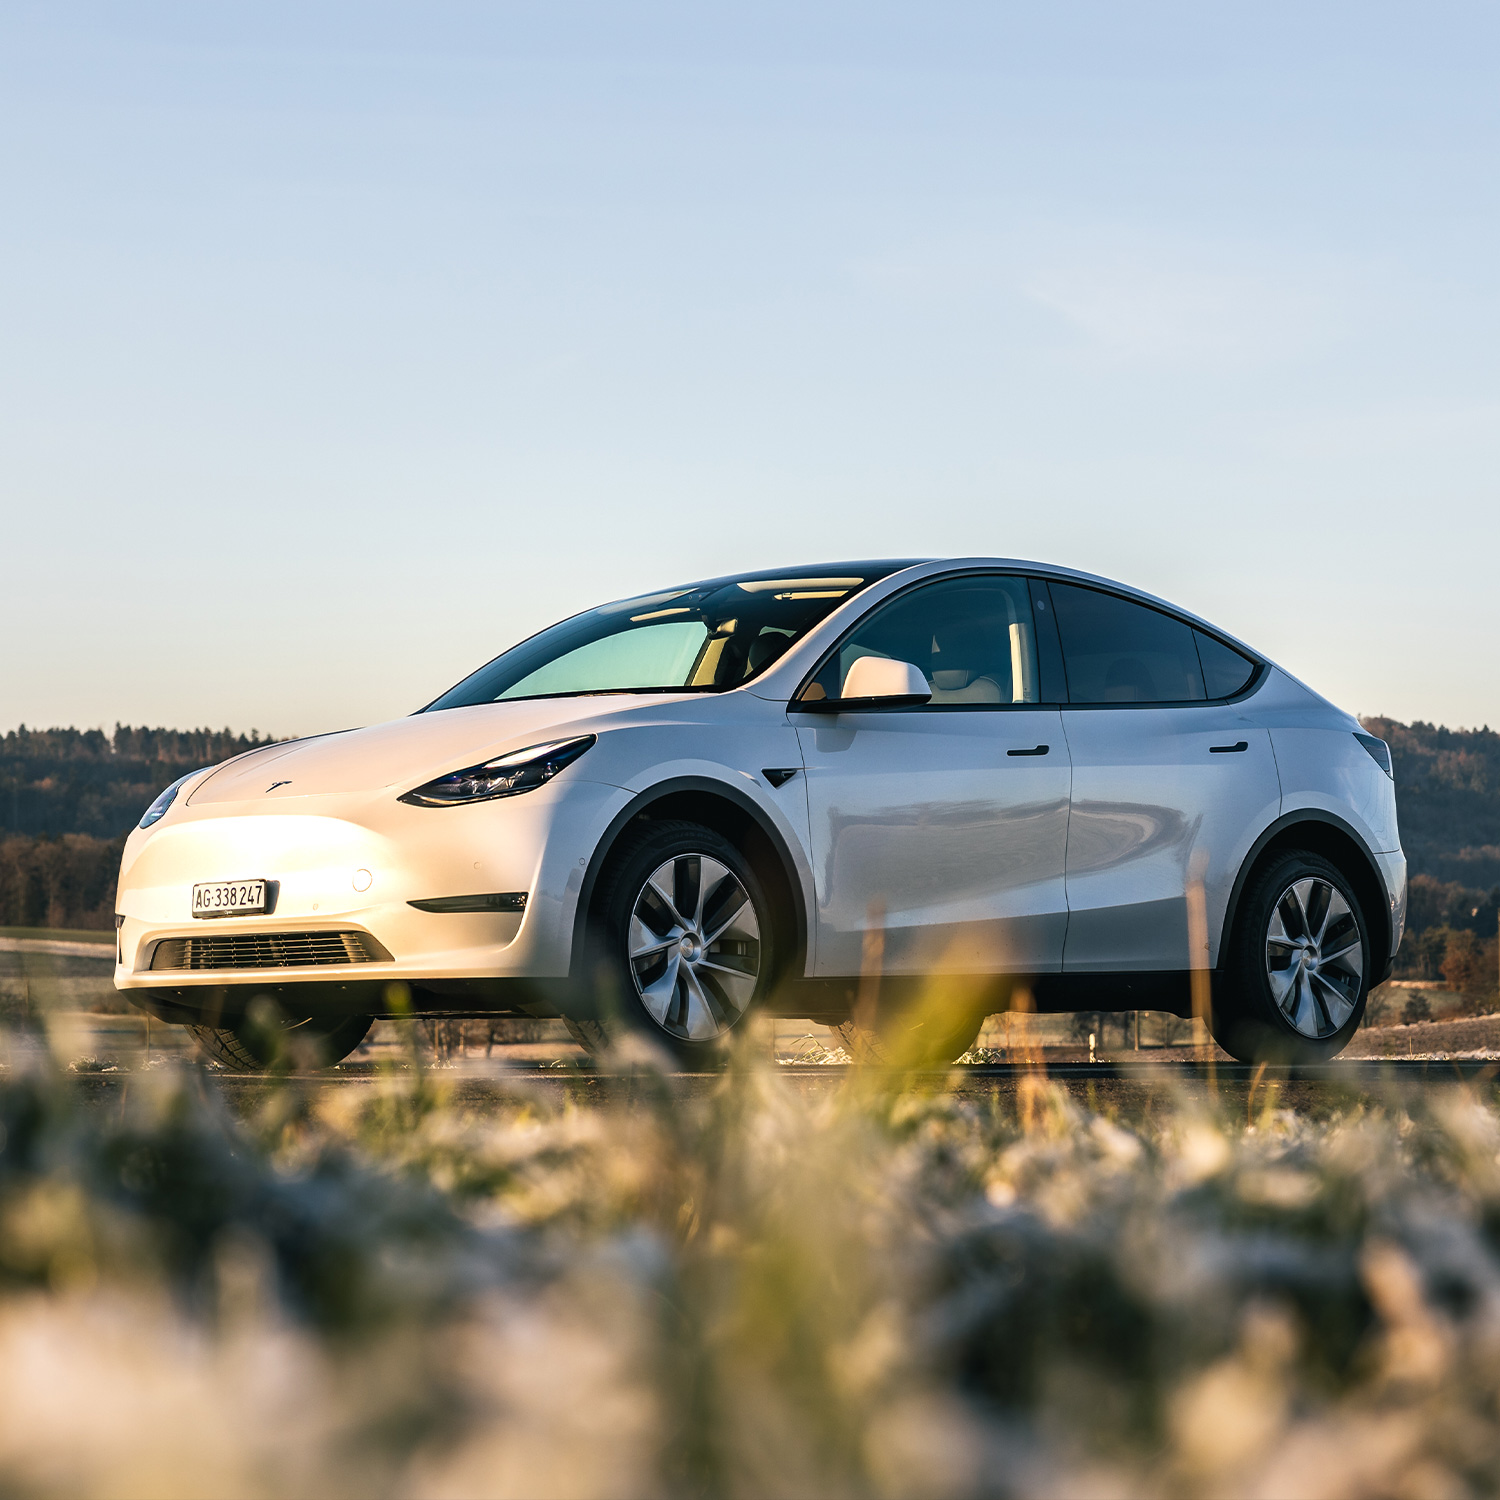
<point x="1229" y="749"/>
<point x="1040" y="750"/>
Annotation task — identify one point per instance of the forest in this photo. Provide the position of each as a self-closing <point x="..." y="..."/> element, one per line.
<point x="69" y="797"/>
<point x="61" y="781"/>
<point x="1448" y="793"/>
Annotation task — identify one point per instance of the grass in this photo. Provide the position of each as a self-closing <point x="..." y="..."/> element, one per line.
<point x="874" y="1292"/>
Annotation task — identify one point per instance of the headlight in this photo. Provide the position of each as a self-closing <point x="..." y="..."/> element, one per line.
<point x="506" y="776"/>
<point x="162" y="803"/>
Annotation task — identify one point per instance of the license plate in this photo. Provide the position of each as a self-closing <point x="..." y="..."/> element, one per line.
<point x="229" y="898"/>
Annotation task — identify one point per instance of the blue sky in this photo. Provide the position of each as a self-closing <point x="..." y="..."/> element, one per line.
<point x="342" y="345"/>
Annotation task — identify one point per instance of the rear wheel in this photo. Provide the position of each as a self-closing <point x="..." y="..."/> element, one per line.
<point x="1299" y="967"/>
<point x="258" y="1042"/>
<point x="682" y="946"/>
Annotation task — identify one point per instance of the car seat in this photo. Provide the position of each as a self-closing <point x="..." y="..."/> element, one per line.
<point x="959" y="685"/>
<point x="1128" y="681"/>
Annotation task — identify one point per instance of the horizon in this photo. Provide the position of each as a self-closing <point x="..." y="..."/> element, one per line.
<point x="255" y="731"/>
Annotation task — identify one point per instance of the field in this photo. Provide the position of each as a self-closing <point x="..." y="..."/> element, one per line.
<point x="884" y="1287"/>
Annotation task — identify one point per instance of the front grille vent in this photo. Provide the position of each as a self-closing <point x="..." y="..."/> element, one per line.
<point x="268" y="950"/>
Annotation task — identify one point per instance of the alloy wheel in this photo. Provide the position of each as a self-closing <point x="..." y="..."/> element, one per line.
<point x="1314" y="957"/>
<point x="694" y="947"/>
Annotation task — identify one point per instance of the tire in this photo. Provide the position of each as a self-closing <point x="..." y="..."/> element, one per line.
<point x="917" y="1036"/>
<point x="1297" y="978"/>
<point x="682" y="944"/>
<point x="257" y="1043"/>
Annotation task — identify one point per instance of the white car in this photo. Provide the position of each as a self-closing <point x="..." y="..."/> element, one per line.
<point x="980" y="784"/>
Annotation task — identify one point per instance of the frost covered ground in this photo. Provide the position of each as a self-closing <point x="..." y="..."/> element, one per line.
<point x="754" y="1291"/>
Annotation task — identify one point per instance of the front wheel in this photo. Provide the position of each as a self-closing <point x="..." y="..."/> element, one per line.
<point x="682" y="943"/>
<point x="1299" y="966"/>
<point x="260" y="1042"/>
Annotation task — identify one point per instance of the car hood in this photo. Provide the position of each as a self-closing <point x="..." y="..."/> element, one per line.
<point x="405" y="752"/>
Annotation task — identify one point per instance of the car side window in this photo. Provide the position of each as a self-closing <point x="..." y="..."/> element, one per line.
<point x="1118" y="651"/>
<point x="1225" y="671"/>
<point x="972" y="639"/>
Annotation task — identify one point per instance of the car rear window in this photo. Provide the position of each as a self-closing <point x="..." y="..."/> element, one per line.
<point x="1118" y="651"/>
<point x="1225" y="671"/>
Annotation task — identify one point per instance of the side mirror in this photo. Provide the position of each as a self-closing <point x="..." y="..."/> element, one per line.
<point x="874" y="682"/>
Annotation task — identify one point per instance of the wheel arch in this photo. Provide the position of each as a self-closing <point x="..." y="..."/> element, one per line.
<point x="1326" y="834"/>
<point x="729" y="812"/>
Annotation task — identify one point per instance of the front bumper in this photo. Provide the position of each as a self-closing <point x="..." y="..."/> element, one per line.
<point x="320" y="850"/>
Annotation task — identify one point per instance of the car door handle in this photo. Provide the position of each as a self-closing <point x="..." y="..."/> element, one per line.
<point x="1229" y="749"/>
<point x="1040" y="750"/>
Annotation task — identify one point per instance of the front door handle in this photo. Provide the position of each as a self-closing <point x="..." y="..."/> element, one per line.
<point x="1040" y="750"/>
<point x="1229" y="749"/>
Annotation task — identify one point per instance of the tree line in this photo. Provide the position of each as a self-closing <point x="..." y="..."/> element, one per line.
<point x="69" y="797"/>
<point x="1448" y="803"/>
<point x="1448" y="799"/>
<point x="1451" y="935"/>
<point x="61" y="781"/>
<point x="66" y="881"/>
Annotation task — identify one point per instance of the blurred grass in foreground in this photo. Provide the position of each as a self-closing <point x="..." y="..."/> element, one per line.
<point x="371" y="1291"/>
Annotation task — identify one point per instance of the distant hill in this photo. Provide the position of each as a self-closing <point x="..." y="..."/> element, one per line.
<point x="68" y="797"/>
<point x="1448" y="800"/>
<point x="57" y="781"/>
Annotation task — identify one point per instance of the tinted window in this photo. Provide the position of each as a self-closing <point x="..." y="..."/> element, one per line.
<point x="1117" y="651"/>
<point x="1225" y="671"/>
<point x="972" y="638"/>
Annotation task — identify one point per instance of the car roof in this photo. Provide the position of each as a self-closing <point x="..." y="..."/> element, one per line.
<point x="872" y="570"/>
<point x="876" y="570"/>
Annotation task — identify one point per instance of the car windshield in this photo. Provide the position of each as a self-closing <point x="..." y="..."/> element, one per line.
<point x="703" y="637"/>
